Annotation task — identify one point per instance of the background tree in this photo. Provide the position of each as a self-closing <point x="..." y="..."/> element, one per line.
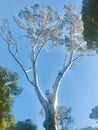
<point x="24" y="125"/>
<point x="43" y="29"/>
<point x="64" y="119"/>
<point x="88" y="128"/>
<point x="9" y="89"/>
<point x="90" y="20"/>
<point x="94" y="113"/>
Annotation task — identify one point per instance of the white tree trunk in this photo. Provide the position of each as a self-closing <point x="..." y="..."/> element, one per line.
<point x="50" y="122"/>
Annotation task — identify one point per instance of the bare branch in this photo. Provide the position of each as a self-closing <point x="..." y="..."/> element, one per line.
<point x="65" y="69"/>
<point x="37" y="87"/>
<point x="77" y="58"/>
<point x="20" y="65"/>
<point x="35" y="82"/>
<point x="60" y="77"/>
<point x="4" y="38"/>
<point x="29" y="70"/>
<point x="38" y="54"/>
<point x="65" y="59"/>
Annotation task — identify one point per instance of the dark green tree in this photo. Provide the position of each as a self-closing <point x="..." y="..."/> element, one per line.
<point x="90" y="20"/>
<point x="9" y="89"/>
<point x="94" y="113"/>
<point x="24" y="125"/>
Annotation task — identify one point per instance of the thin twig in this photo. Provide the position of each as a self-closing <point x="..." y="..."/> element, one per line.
<point x="65" y="58"/>
<point x="77" y="58"/>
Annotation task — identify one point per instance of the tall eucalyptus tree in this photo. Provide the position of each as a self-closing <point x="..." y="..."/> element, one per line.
<point x="43" y="29"/>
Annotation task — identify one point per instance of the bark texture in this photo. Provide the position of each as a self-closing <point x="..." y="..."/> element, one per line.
<point x="50" y="118"/>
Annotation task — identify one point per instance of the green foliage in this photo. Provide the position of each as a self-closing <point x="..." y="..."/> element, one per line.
<point x="90" y="19"/>
<point x="8" y="90"/>
<point x="24" y="125"/>
<point x="64" y="118"/>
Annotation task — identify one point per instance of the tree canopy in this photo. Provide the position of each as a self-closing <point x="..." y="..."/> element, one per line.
<point x="90" y="20"/>
<point x="64" y="118"/>
<point x="24" y="125"/>
<point x="9" y="89"/>
<point x="94" y="113"/>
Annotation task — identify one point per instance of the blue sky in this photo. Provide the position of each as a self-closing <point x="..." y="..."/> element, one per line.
<point x="79" y="88"/>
